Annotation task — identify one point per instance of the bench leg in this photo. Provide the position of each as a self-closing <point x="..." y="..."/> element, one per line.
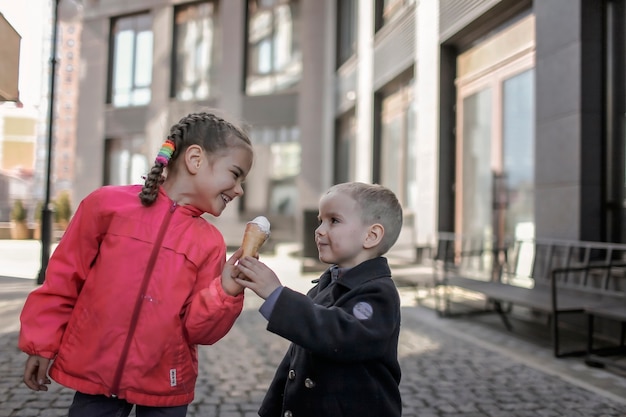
<point x="498" y="307"/>
<point x="556" y="340"/>
<point x="555" y="333"/>
<point x="599" y="359"/>
<point x="589" y="333"/>
<point x="590" y="359"/>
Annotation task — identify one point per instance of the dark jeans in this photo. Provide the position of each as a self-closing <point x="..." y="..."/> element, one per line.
<point x="85" y="405"/>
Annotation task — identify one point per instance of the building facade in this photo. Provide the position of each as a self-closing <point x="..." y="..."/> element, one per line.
<point x="532" y="118"/>
<point x="487" y="117"/>
<point x="9" y="62"/>
<point x="146" y="64"/>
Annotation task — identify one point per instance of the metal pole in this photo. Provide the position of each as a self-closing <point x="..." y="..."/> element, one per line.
<point x="46" y="210"/>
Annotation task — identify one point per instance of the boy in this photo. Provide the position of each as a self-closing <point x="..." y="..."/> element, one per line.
<point x="344" y="332"/>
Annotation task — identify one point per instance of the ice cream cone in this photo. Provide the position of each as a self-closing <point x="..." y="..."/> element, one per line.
<point x="255" y="235"/>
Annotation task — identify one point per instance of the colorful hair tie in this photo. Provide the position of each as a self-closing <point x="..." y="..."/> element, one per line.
<point x="165" y="154"/>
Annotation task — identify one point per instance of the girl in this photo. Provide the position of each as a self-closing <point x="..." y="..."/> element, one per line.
<point x="140" y="279"/>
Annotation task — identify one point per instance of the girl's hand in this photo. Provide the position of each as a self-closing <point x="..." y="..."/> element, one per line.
<point x="258" y="277"/>
<point x="229" y="284"/>
<point x="36" y="373"/>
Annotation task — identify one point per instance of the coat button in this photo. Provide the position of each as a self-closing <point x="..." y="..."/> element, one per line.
<point x="309" y="383"/>
<point x="292" y="374"/>
<point x="288" y="414"/>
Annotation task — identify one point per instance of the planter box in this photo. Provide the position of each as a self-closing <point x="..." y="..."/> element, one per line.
<point x="20" y="231"/>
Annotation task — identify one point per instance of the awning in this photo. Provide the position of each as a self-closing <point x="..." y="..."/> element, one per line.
<point x="9" y="61"/>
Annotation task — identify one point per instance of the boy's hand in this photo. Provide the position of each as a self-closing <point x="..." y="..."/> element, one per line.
<point x="259" y="277"/>
<point x="36" y="373"/>
<point x="229" y="284"/>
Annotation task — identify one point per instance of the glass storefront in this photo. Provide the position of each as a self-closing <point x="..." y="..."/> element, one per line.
<point x="518" y="137"/>
<point x="495" y="135"/>
<point x="476" y="165"/>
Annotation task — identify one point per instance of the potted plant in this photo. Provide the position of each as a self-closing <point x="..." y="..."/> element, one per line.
<point x="19" y="223"/>
<point x="62" y="210"/>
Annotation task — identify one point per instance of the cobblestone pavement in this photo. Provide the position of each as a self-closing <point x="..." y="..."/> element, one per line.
<point x="451" y="367"/>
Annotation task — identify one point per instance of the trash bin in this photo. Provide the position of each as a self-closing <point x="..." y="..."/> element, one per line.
<point x="309" y="248"/>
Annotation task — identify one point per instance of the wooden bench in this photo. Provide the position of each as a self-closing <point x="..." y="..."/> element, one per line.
<point x="549" y="276"/>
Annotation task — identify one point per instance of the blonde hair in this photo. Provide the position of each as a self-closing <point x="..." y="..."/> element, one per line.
<point x="378" y="204"/>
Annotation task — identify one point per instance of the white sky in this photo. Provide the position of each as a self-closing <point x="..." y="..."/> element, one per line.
<point x="31" y="19"/>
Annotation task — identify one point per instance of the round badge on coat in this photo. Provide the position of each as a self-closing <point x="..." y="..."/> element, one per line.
<point x="362" y="310"/>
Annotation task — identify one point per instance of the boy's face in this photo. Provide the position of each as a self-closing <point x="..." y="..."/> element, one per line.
<point x="341" y="233"/>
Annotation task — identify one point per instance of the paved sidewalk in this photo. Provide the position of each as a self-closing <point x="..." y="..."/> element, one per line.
<point x="451" y="367"/>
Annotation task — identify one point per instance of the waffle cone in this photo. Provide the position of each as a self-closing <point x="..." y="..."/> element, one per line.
<point x="253" y="239"/>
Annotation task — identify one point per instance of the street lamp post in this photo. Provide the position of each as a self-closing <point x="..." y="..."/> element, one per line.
<point x="46" y="211"/>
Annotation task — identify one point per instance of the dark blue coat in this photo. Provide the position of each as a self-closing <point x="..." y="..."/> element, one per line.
<point x="343" y="360"/>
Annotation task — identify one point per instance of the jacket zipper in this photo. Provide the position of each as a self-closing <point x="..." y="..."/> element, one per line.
<point x="144" y="286"/>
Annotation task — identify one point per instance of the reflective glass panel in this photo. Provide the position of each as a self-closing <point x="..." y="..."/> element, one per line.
<point x="518" y="120"/>
<point x="132" y="61"/>
<point x="196" y="40"/>
<point x="477" y="172"/>
<point x="274" y="56"/>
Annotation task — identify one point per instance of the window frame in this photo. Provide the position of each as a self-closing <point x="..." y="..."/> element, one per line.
<point x="215" y="50"/>
<point x="400" y="93"/>
<point x="345" y="139"/>
<point x="135" y="145"/>
<point x="273" y="73"/>
<point x="492" y="80"/>
<point x="347" y="10"/>
<point x="111" y="55"/>
<point x="395" y="9"/>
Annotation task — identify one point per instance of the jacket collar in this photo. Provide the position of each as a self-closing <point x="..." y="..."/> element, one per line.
<point x="364" y="272"/>
<point x="184" y="209"/>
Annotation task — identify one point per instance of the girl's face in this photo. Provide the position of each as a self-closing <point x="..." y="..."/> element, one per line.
<point x="341" y="233"/>
<point x="219" y="179"/>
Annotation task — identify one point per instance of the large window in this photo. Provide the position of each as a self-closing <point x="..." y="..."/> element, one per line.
<point x="495" y="135"/>
<point x="346" y="30"/>
<point x="196" y="37"/>
<point x="274" y="59"/>
<point x="518" y="153"/>
<point x="389" y="10"/>
<point x="124" y="161"/>
<point x="476" y="163"/>
<point x="396" y="158"/>
<point x="131" y="60"/>
<point x="345" y="148"/>
<point x="274" y="181"/>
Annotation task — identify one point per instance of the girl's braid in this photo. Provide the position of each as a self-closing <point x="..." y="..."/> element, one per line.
<point x="155" y="177"/>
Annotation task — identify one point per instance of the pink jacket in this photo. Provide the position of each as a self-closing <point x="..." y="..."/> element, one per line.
<point x="129" y="294"/>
